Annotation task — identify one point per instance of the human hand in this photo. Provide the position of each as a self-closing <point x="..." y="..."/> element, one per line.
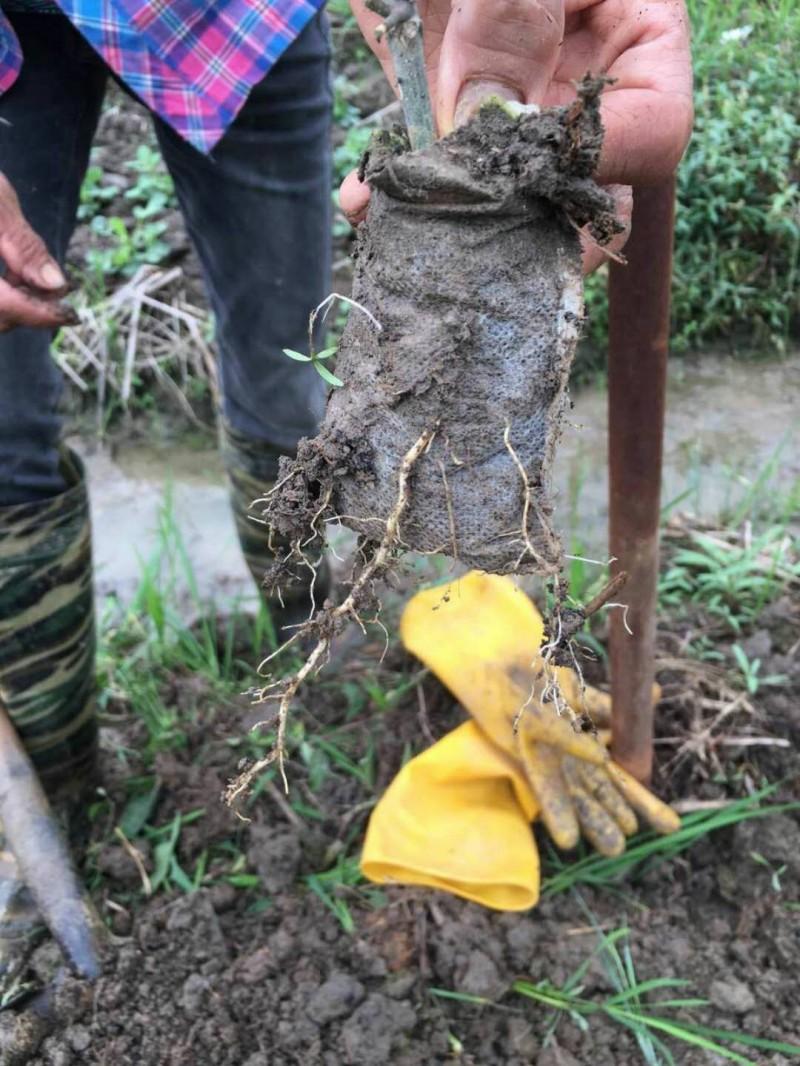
<point x="516" y="49"/>
<point x="31" y="290"/>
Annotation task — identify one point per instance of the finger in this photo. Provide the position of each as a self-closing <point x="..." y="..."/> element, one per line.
<point x="511" y="43"/>
<point x="594" y="254"/>
<point x="476" y="93"/>
<point x="646" y="133"/>
<point x="24" y="252"/>
<point x="354" y="198"/>
<point x="647" y="113"/>
<point x="19" y="307"/>
<point x="542" y="766"/>
<point x="597" y="825"/>
<point x="660" y="816"/>
<point x="598" y="783"/>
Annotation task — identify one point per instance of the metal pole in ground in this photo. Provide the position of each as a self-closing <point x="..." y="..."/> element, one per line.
<point x="639" y="298"/>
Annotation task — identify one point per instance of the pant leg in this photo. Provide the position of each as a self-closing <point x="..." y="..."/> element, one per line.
<point x="47" y="121"/>
<point x="258" y="210"/>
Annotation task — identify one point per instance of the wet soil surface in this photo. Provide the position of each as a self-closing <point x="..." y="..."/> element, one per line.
<point x="265" y="974"/>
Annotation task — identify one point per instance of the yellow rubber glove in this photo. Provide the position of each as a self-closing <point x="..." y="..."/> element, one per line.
<point x="480" y="636"/>
<point x="457" y="817"/>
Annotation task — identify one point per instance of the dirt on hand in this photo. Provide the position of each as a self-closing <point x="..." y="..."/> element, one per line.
<point x="469" y="268"/>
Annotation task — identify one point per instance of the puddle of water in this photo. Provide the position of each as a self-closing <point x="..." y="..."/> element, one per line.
<point x="148" y="486"/>
<point x="725" y="420"/>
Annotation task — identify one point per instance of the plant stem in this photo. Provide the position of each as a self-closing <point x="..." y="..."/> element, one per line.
<point x="403" y="29"/>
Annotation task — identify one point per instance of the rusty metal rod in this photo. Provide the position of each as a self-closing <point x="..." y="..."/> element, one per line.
<point x="36" y="842"/>
<point x="639" y="299"/>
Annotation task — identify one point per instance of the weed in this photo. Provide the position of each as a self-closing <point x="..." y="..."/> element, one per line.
<point x="150" y="642"/>
<point x="317" y="361"/>
<point x="775" y="872"/>
<point x="765" y="495"/>
<point x="124" y="244"/>
<point x="631" y="1006"/>
<point x="123" y="248"/>
<point x="95" y="193"/>
<point x="153" y="191"/>
<point x="737" y="237"/>
<point x="646" y="851"/>
<point x="341" y="882"/>
<point x="732" y="579"/>
<point x="751" y="671"/>
<point x="320" y="312"/>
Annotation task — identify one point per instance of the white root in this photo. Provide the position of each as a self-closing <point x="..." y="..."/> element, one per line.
<point x="326" y="625"/>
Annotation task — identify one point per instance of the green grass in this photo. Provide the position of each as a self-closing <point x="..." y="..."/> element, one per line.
<point x="144" y="652"/>
<point x="751" y="560"/>
<point x="148" y="652"/>
<point x="632" y="1005"/>
<point x="731" y="580"/>
<point x="340" y="886"/>
<point x="647" y="851"/>
<point x="150" y="640"/>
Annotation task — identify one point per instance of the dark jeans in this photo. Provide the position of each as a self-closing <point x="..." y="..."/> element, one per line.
<point x="257" y="210"/>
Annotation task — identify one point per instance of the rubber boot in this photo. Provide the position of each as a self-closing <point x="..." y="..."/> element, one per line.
<point x="252" y="467"/>
<point x="47" y="682"/>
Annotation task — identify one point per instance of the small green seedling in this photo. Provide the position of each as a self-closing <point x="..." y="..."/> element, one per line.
<point x="317" y="359"/>
<point x="776" y="872"/>
<point x="751" y="671"/>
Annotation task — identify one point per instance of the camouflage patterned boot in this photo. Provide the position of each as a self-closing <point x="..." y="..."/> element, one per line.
<point x="47" y="647"/>
<point x="252" y="467"/>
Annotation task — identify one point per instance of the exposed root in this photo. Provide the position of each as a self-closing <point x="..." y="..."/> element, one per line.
<point x="528" y="503"/>
<point x="451" y="518"/>
<point x="329" y="621"/>
<point x="559" y="650"/>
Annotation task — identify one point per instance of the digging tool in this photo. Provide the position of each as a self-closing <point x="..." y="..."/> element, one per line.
<point x="639" y="297"/>
<point x="35" y="840"/>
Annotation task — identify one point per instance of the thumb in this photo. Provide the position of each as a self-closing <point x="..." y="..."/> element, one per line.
<point x="25" y="253"/>
<point x="474" y="93"/>
<point x="507" y="48"/>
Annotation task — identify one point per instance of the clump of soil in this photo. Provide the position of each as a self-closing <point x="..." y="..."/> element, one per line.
<point x="469" y="268"/>
<point x="210" y="979"/>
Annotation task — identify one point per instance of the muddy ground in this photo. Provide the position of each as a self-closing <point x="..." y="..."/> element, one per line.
<point x="266" y="975"/>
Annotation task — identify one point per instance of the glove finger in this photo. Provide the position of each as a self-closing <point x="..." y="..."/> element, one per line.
<point x="600" y="785"/>
<point x="584" y="699"/>
<point x="660" y="816"/>
<point x="543" y="770"/>
<point x="542" y="724"/>
<point x="589" y="700"/>
<point x="597" y="825"/>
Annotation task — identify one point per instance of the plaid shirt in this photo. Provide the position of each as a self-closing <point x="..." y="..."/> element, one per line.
<point x="193" y="62"/>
